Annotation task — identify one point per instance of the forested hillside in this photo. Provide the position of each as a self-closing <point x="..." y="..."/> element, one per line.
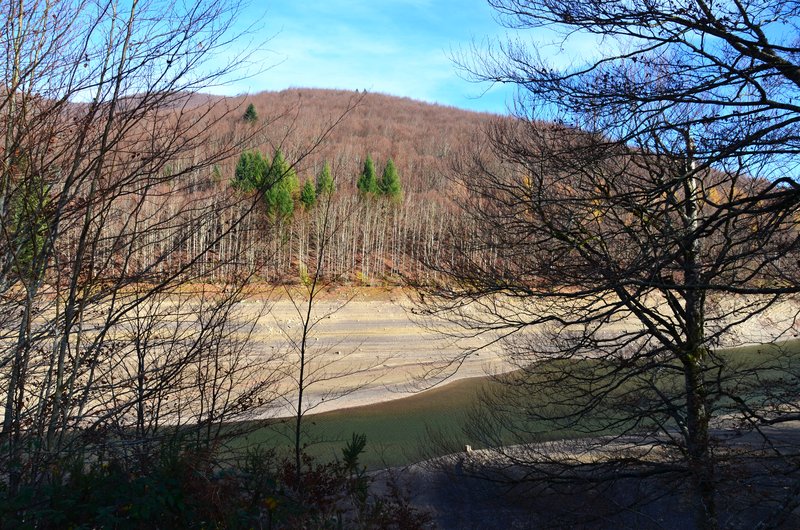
<point x="376" y="235"/>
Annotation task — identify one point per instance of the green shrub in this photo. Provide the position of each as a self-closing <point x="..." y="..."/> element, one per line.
<point x="187" y="487"/>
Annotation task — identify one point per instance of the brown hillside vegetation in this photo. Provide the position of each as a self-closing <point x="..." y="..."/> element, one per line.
<point x="375" y="239"/>
<point x="417" y="136"/>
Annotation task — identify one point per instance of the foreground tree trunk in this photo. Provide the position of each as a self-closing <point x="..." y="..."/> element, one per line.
<point x="700" y="459"/>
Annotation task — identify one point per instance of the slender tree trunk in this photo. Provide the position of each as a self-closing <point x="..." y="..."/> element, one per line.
<point x="701" y="463"/>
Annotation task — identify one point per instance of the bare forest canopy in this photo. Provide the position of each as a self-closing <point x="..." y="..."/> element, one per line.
<point x="639" y="211"/>
<point x="418" y="136"/>
<point x="377" y="238"/>
<point x="271" y="229"/>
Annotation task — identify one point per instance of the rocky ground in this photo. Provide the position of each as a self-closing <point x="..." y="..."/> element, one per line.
<point x="756" y="475"/>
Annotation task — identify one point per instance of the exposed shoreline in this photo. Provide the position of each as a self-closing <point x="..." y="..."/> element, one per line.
<point x="371" y="349"/>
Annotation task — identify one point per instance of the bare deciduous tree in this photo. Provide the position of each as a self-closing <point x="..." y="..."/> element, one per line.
<point x="111" y="227"/>
<point x="619" y="248"/>
<point x="317" y="364"/>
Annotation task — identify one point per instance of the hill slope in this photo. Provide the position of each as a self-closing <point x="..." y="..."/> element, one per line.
<point x="375" y="239"/>
<point x="418" y="136"/>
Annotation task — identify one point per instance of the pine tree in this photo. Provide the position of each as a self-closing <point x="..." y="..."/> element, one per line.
<point x="325" y="184"/>
<point x="308" y="196"/>
<point x="390" y="182"/>
<point x="368" y="181"/>
<point x="281" y="185"/>
<point x="250" y="115"/>
<point x="250" y="171"/>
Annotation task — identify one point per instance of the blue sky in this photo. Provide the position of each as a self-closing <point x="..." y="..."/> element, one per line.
<point x="398" y="47"/>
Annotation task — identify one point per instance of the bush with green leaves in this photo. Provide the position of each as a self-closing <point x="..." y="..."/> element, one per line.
<point x="191" y="487"/>
<point x="182" y="489"/>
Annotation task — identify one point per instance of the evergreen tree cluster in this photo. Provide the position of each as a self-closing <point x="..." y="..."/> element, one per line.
<point x="278" y="181"/>
<point x="388" y="185"/>
<point x="275" y="178"/>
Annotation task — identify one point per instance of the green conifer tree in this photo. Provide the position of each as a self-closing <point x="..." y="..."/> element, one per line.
<point x="29" y="225"/>
<point x="325" y="184"/>
<point x="368" y="181"/>
<point x="281" y="187"/>
<point x="390" y="182"/>
<point x="250" y="115"/>
<point x="308" y="196"/>
<point x="250" y="171"/>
